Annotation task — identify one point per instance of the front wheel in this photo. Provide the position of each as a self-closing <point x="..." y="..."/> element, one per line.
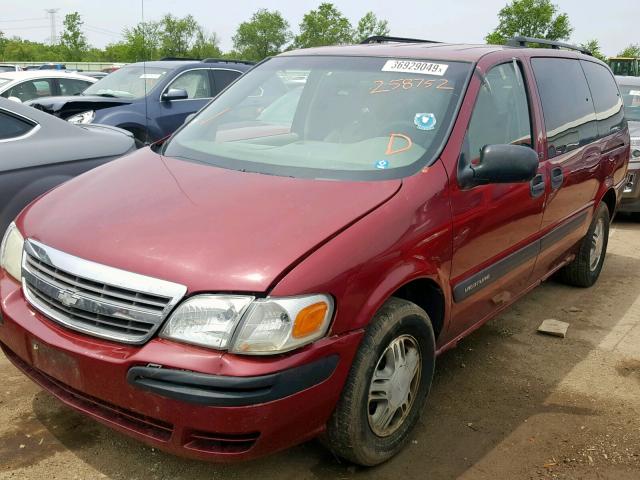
<point x="387" y="386"/>
<point x="586" y="267"/>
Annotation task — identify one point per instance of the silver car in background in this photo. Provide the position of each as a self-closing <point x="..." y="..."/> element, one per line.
<point x="630" y="91"/>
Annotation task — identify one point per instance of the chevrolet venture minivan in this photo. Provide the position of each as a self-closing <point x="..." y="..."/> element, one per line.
<point x="250" y="284"/>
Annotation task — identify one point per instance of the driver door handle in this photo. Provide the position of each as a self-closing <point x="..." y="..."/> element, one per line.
<point x="557" y="178"/>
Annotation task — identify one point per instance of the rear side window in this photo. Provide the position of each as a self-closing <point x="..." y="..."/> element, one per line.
<point x="569" y="115"/>
<point x="606" y="98"/>
<point x="12" y="127"/>
<point x="501" y="113"/>
<point x="223" y="78"/>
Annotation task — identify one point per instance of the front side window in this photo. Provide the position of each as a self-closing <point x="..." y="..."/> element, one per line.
<point x="606" y="98"/>
<point x="127" y="82"/>
<point x="12" y="126"/>
<point x="568" y="110"/>
<point x="328" y="117"/>
<point x="501" y="113"/>
<point x="72" y="86"/>
<point x="194" y="82"/>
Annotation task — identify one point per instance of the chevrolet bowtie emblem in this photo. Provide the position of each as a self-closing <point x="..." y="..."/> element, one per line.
<point x="67" y="298"/>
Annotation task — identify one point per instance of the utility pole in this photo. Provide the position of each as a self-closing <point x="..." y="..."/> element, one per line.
<point x="52" y="20"/>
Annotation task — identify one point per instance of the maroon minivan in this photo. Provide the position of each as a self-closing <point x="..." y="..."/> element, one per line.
<point x="276" y="273"/>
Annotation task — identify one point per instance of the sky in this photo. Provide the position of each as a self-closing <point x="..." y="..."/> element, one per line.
<point x="467" y="21"/>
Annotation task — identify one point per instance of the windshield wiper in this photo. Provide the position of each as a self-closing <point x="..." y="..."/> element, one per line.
<point x="108" y="95"/>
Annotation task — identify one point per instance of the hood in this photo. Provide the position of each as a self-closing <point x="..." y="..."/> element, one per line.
<point x="208" y="228"/>
<point x="66" y="106"/>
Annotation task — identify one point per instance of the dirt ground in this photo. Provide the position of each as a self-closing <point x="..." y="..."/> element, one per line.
<point x="508" y="403"/>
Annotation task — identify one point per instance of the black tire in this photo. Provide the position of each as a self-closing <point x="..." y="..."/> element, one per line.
<point x="349" y="434"/>
<point x="580" y="272"/>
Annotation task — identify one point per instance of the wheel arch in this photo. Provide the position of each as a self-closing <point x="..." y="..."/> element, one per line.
<point x="428" y="295"/>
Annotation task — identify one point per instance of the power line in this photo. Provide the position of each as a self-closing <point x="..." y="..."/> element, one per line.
<point x="22" y="20"/>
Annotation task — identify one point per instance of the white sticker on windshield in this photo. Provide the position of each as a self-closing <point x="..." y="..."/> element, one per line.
<point x="635" y="93"/>
<point x="414" y="66"/>
<point x="151" y="75"/>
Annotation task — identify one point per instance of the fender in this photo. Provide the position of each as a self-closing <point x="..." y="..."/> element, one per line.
<point x="406" y="239"/>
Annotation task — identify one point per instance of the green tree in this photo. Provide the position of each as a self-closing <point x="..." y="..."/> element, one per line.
<point x="73" y="41"/>
<point x="324" y="26"/>
<point x="264" y="35"/>
<point x="177" y="35"/>
<point x="530" y="18"/>
<point x="632" y="50"/>
<point x="205" y="45"/>
<point x="141" y="42"/>
<point x="368" y="26"/>
<point x="594" y="47"/>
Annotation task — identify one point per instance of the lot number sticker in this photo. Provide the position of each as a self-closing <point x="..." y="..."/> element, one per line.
<point x="412" y="66"/>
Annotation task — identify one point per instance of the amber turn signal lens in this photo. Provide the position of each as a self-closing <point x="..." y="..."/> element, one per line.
<point x="309" y="320"/>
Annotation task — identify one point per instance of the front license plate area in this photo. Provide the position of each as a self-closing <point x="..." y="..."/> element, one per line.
<point x="56" y="364"/>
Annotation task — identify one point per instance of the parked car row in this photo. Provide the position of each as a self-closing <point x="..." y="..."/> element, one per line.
<point x="291" y="260"/>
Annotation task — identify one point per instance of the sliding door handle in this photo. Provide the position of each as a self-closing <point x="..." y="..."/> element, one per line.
<point x="557" y="178"/>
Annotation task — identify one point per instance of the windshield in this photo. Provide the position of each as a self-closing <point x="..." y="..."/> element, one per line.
<point x="7" y="68"/>
<point x="328" y="117"/>
<point x="127" y="82"/>
<point x="631" y="98"/>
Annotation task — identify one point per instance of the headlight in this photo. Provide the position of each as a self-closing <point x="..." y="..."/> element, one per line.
<point x="243" y="325"/>
<point x="11" y="252"/>
<point x="84" y="117"/>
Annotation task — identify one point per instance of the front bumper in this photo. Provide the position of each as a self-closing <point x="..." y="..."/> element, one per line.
<point x="630" y="201"/>
<point x="200" y="404"/>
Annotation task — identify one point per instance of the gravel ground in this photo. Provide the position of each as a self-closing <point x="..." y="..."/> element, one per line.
<point x="508" y="403"/>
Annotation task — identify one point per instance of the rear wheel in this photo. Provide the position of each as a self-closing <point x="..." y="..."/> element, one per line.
<point x="586" y="267"/>
<point x="387" y="386"/>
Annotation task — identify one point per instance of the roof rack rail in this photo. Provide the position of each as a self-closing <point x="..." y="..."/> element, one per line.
<point x="227" y="60"/>
<point x="521" y="41"/>
<point x="384" y="38"/>
<point x="178" y="59"/>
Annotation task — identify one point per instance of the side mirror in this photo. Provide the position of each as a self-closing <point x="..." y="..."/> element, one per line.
<point x="501" y="164"/>
<point x="14" y="99"/>
<point x="175" y="94"/>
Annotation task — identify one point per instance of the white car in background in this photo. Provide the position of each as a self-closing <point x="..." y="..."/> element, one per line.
<point x="29" y="85"/>
<point x="7" y="67"/>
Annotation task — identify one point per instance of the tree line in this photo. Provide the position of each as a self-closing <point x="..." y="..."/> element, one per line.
<point x="268" y="33"/>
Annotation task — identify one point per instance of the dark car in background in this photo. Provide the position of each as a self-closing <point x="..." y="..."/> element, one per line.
<point x="630" y="91"/>
<point x="149" y="99"/>
<point x="38" y="152"/>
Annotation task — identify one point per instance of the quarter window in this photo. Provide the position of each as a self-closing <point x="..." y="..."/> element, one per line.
<point x="569" y="115"/>
<point x="12" y="127"/>
<point x="606" y="98"/>
<point x="501" y="113"/>
<point x="195" y="83"/>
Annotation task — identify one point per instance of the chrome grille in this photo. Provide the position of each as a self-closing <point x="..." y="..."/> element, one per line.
<point x="96" y="299"/>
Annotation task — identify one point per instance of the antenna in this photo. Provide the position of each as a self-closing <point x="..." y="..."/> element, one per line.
<point x="144" y="74"/>
<point x="52" y="21"/>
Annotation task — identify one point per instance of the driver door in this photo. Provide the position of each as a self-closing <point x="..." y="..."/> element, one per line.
<point x="172" y="113"/>
<point x="495" y="226"/>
